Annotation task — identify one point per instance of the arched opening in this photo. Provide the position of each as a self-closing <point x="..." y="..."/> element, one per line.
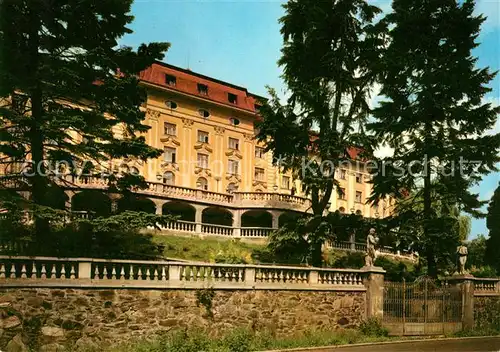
<point x="92" y="200"/>
<point x="232" y="187"/>
<point x="217" y="216"/>
<point x="359" y="212"/>
<point x="202" y="183"/>
<point x="169" y="178"/>
<point x="256" y="218"/>
<point x="287" y="217"/>
<point x="183" y="210"/>
<point x="56" y="198"/>
<point x="134" y="171"/>
<point x="342" y="210"/>
<point x="138" y="204"/>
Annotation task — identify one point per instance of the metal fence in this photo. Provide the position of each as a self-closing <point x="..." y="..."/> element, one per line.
<point x="423" y="307"/>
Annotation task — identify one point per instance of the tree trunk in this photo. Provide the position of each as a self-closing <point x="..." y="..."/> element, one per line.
<point x="38" y="180"/>
<point x="431" y="260"/>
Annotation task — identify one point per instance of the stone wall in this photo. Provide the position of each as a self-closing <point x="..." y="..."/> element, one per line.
<point x="47" y="319"/>
<point x="487" y="312"/>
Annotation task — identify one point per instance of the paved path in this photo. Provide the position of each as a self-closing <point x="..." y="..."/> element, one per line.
<point x="474" y="344"/>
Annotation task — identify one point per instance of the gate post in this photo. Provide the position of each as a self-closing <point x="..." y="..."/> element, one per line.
<point x="374" y="283"/>
<point x="466" y="284"/>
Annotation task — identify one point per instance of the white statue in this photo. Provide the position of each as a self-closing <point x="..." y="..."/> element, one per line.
<point x="462" y="259"/>
<point x="371" y="241"/>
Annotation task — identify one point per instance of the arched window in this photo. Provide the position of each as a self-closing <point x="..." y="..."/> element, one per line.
<point x="359" y="212"/>
<point x="202" y="183"/>
<point x="134" y="171"/>
<point x="232" y="187"/>
<point x="171" y="104"/>
<point x="342" y="210"/>
<point x="169" y="178"/>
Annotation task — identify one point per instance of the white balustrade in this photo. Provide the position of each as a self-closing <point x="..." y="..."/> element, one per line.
<point x="219" y="230"/>
<point x="256" y="231"/>
<point x="486" y="286"/>
<point x="182" y="226"/>
<point x="84" y="272"/>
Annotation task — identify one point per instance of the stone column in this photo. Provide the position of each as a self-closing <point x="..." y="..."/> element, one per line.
<point x="158" y="206"/>
<point x="237" y="223"/>
<point x="466" y="285"/>
<point x="115" y="197"/>
<point x="198" y="217"/>
<point x="374" y="283"/>
<point x="276" y="217"/>
<point x="352" y="241"/>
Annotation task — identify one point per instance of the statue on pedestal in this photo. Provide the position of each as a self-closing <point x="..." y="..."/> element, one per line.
<point x="462" y="259"/>
<point x="371" y="242"/>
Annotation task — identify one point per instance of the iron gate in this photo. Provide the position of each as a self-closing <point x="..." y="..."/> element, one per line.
<point x="423" y="307"/>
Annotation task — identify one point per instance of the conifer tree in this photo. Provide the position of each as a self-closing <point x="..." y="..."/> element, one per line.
<point x="328" y="57"/>
<point x="493" y="224"/>
<point x="433" y="113"/>
<point x="68" y="91"/>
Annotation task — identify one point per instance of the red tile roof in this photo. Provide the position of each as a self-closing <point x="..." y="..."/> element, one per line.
<point x="187" y="82"/>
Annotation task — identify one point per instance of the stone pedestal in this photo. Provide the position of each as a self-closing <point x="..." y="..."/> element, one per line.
<point x="374" y="283"/>
<point x="466" y="284"/>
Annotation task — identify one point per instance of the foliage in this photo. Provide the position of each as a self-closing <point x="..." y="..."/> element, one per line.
<point x="69" y="94"/>
<point x="205" y="298"/>
<point x="373" y="327"/>
<point x="241" y="340"/>
<point x="477" y="252"/>
<point x="118" y="236"/>
<point x="483" y="271"/>
<point x="212" y="250"/>
<point x="328" y="74"/>
<point x="433" y="115"/>
<point x="493" y="224"/>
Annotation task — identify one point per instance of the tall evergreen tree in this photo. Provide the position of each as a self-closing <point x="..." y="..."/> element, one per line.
<point x="493" y="224"/>
<point x="433" y="115"/>
<point x="68" y="92"/>
<point x="328" y="57"/>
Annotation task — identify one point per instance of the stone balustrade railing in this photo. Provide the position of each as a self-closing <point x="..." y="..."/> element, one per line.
<point x="85" y="272"/>
<point x="487" y="286"/>
<point x="236" y="199"/>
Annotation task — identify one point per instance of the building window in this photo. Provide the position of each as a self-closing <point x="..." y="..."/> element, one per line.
<point x="234" y="143"/>
<point x="204" y="113"/>
<point x="233" y="167"/>
<point x="202" y="183"/>
<point x="343" y="174"/>
<point x="170" y="155"/>
<point x="359" y="178"/>
<point x="232" y="187"/>
<point x="342" y="194"/>
<point x="234" y="121"/>
<point x="202" y="137"/>
<point x="285" y="182"/>
<point x="171" y="105"/>
<point x="203" y="161"/>
<point x="202" y="89"/>
<point x="342" y="210"/>
<point x="259" y="174"/>
<point x="170" y="129"/>
<point x="170" y="80"/>
<point x="134" y="171"/>
<point x="232" y="98"/>
<point x="260" y="152"/>
<point x="359" y="196"/>
<point x="359" y="212"/>
<point x="169" y="178"/>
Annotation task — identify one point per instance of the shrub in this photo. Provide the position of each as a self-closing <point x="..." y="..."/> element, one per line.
<point x="373" y="327"/>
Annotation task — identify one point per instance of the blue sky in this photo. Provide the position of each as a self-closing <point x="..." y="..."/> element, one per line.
<point x="239" y="41"/>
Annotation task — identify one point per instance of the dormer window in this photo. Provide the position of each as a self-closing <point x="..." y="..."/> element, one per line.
<point x="232" y="98"/>
<point x="202" y="89"/>
<point x="170" y="80"/>
<point x="234" y="121"/>
<point x="204" y="113"/>
<point x="171" y="105"/>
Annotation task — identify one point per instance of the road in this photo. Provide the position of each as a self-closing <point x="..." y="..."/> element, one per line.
<point x="473" y="344"/>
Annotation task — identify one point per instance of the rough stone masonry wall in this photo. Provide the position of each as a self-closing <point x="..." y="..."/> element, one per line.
<point x="487" y="312"/>
<point x="47" y="319"/>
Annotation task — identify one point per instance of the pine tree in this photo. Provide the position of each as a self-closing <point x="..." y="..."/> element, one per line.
<point x="68" y="92"/>
<point x="328" y="57"/>
<point x="433" y="115"/>
<point x="493" y="224"/>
